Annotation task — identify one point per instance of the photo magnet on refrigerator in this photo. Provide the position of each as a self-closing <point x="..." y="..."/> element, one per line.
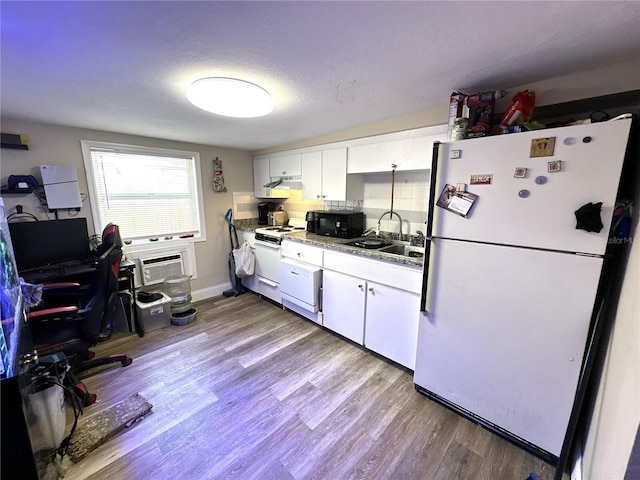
<point x="542" y="147"/>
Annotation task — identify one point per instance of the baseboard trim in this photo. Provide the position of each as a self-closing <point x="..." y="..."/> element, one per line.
<point x="209" y="292"/>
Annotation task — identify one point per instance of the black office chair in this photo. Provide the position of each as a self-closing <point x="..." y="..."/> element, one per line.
<point x="73" y="318"/>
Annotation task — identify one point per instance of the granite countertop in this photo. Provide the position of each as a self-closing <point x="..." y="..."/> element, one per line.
<point x="338" y="244"/>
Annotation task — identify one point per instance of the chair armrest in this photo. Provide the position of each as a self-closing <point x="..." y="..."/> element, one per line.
<point x="59" y="285"/>
<point x="57" y="314"/>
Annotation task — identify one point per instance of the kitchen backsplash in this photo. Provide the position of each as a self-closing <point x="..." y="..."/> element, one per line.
<point x="411" y="190"/>
<point x="410" y="202"/>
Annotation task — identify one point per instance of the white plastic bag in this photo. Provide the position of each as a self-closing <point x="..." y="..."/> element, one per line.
<point x="245" y="260"/>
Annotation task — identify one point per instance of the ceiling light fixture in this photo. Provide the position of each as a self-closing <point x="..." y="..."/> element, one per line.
<point x="230" y="97"/>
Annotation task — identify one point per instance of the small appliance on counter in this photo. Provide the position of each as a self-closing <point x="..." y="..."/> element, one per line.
<point x="336" y="223"/>
<point x="278" y="217"/>
<point x="263" y="212"/>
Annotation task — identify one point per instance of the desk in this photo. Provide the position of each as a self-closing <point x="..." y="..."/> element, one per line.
<point x="62" y="272"/>
<point x="81" y="273"/>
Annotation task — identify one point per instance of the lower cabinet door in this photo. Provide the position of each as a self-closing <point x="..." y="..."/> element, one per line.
<point x="344" y="303"/>
<point x="392" y="323"/>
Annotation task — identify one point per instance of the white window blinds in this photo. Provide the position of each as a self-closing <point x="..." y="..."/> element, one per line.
<point x="147" y="192"/>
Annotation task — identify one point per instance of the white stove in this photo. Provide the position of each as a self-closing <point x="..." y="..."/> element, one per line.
<point x="267" y="250"/>
<point x="274" y="234"/>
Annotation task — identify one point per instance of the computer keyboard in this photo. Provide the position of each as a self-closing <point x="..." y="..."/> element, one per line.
<point x="52" y="273"/>
<point x="79" y="269"/>
<point x="43" y="275"/>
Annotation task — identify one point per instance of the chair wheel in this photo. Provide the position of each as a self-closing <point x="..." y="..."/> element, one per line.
<point x="128" y="361"/>
<point x="90" y="400"/>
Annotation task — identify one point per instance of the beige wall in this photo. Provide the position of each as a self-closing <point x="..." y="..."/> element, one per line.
<point x="58" y="145"/>
<point x="602" y="81"/>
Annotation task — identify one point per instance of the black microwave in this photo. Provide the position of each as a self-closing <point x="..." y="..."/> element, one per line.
<point x="335" y="223"/>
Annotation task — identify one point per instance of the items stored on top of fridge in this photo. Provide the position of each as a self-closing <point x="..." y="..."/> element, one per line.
<point x="481" y="108"/>
<point x="456" y="111"/>
<point x="471" y="115"/>
<point x="520" y="110"/>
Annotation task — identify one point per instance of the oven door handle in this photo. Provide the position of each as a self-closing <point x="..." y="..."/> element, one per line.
<point x="266" y="281"/>
<point x="260" y="243"/>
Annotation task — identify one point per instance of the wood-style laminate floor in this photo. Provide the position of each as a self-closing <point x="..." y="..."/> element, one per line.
<point x="249" y="391"/>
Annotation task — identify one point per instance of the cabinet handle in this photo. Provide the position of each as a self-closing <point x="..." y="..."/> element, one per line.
<point x="371" y="289"/>
<point x="360" y="286"/>
<point x="318" y="196"/>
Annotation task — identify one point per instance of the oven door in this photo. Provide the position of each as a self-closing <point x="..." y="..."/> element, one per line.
<point x="267" y="260"/>
<point x="267" y="270"/>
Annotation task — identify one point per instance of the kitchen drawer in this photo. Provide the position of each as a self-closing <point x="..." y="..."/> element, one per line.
<point x="269" y="288"/>
<point x="398" y="276"/>
<point x="301" y="252"/>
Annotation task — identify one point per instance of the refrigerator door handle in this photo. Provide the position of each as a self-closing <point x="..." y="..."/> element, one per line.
<point x="432" y="189"/>
<point x="424" y="293"/>
<point x="429" y="227"/>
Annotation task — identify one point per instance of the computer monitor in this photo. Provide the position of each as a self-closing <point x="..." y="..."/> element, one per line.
<point x="37" y="244"/>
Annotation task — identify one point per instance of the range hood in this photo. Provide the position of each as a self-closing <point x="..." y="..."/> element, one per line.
<point x="285" y="183"/>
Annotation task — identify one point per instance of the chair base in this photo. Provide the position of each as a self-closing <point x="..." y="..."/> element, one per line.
<point x="123" y="359"/>
<point x="86" y="361"/>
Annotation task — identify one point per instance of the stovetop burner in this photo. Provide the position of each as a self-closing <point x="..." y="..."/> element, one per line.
<point x="275" y="232"/>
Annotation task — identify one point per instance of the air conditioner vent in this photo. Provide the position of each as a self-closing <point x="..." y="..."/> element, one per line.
<point x="156" y="269"/>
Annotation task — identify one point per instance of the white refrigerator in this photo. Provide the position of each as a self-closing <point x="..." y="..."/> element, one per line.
<point x="510" y="283"/>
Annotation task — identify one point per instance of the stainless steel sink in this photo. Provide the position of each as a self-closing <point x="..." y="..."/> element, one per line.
<point x="403" y="250"/>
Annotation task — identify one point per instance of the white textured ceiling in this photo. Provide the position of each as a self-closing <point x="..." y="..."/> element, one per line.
<point x="124" y="66"/>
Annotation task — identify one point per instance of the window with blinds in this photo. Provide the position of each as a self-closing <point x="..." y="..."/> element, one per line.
<point x="147" y="192"/>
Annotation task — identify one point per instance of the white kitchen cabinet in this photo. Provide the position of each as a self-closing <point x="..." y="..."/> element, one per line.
<point x="374" y="303"/>
<point x="343" y="300"/>
<point x="324" y="177"/>
<point x="391" y="327"/>
<point x="261" y="176"/>
<point x="285" y="165"/>
<point x="312" y="175"/>
<point x="406" y="154"/>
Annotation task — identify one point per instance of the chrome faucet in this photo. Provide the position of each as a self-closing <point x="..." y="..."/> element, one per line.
<point x="391" y="214"/>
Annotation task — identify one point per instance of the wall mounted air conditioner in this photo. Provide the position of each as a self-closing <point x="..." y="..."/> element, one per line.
<point x="156" y="269"/>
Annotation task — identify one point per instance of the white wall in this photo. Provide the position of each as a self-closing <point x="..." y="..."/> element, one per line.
<point x="57" y="145"/>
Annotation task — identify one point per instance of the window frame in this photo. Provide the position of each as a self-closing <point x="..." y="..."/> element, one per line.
<point x="88" y="145"/>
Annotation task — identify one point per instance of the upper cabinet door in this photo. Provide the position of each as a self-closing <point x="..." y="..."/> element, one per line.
<point x="334" y="174"/>
<point x="324" y="175"/>
<point x="285" y="165"/>
<point x="312" y="175"/>
<point x="406" y="154"/>
<point x="261" y="176"/>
